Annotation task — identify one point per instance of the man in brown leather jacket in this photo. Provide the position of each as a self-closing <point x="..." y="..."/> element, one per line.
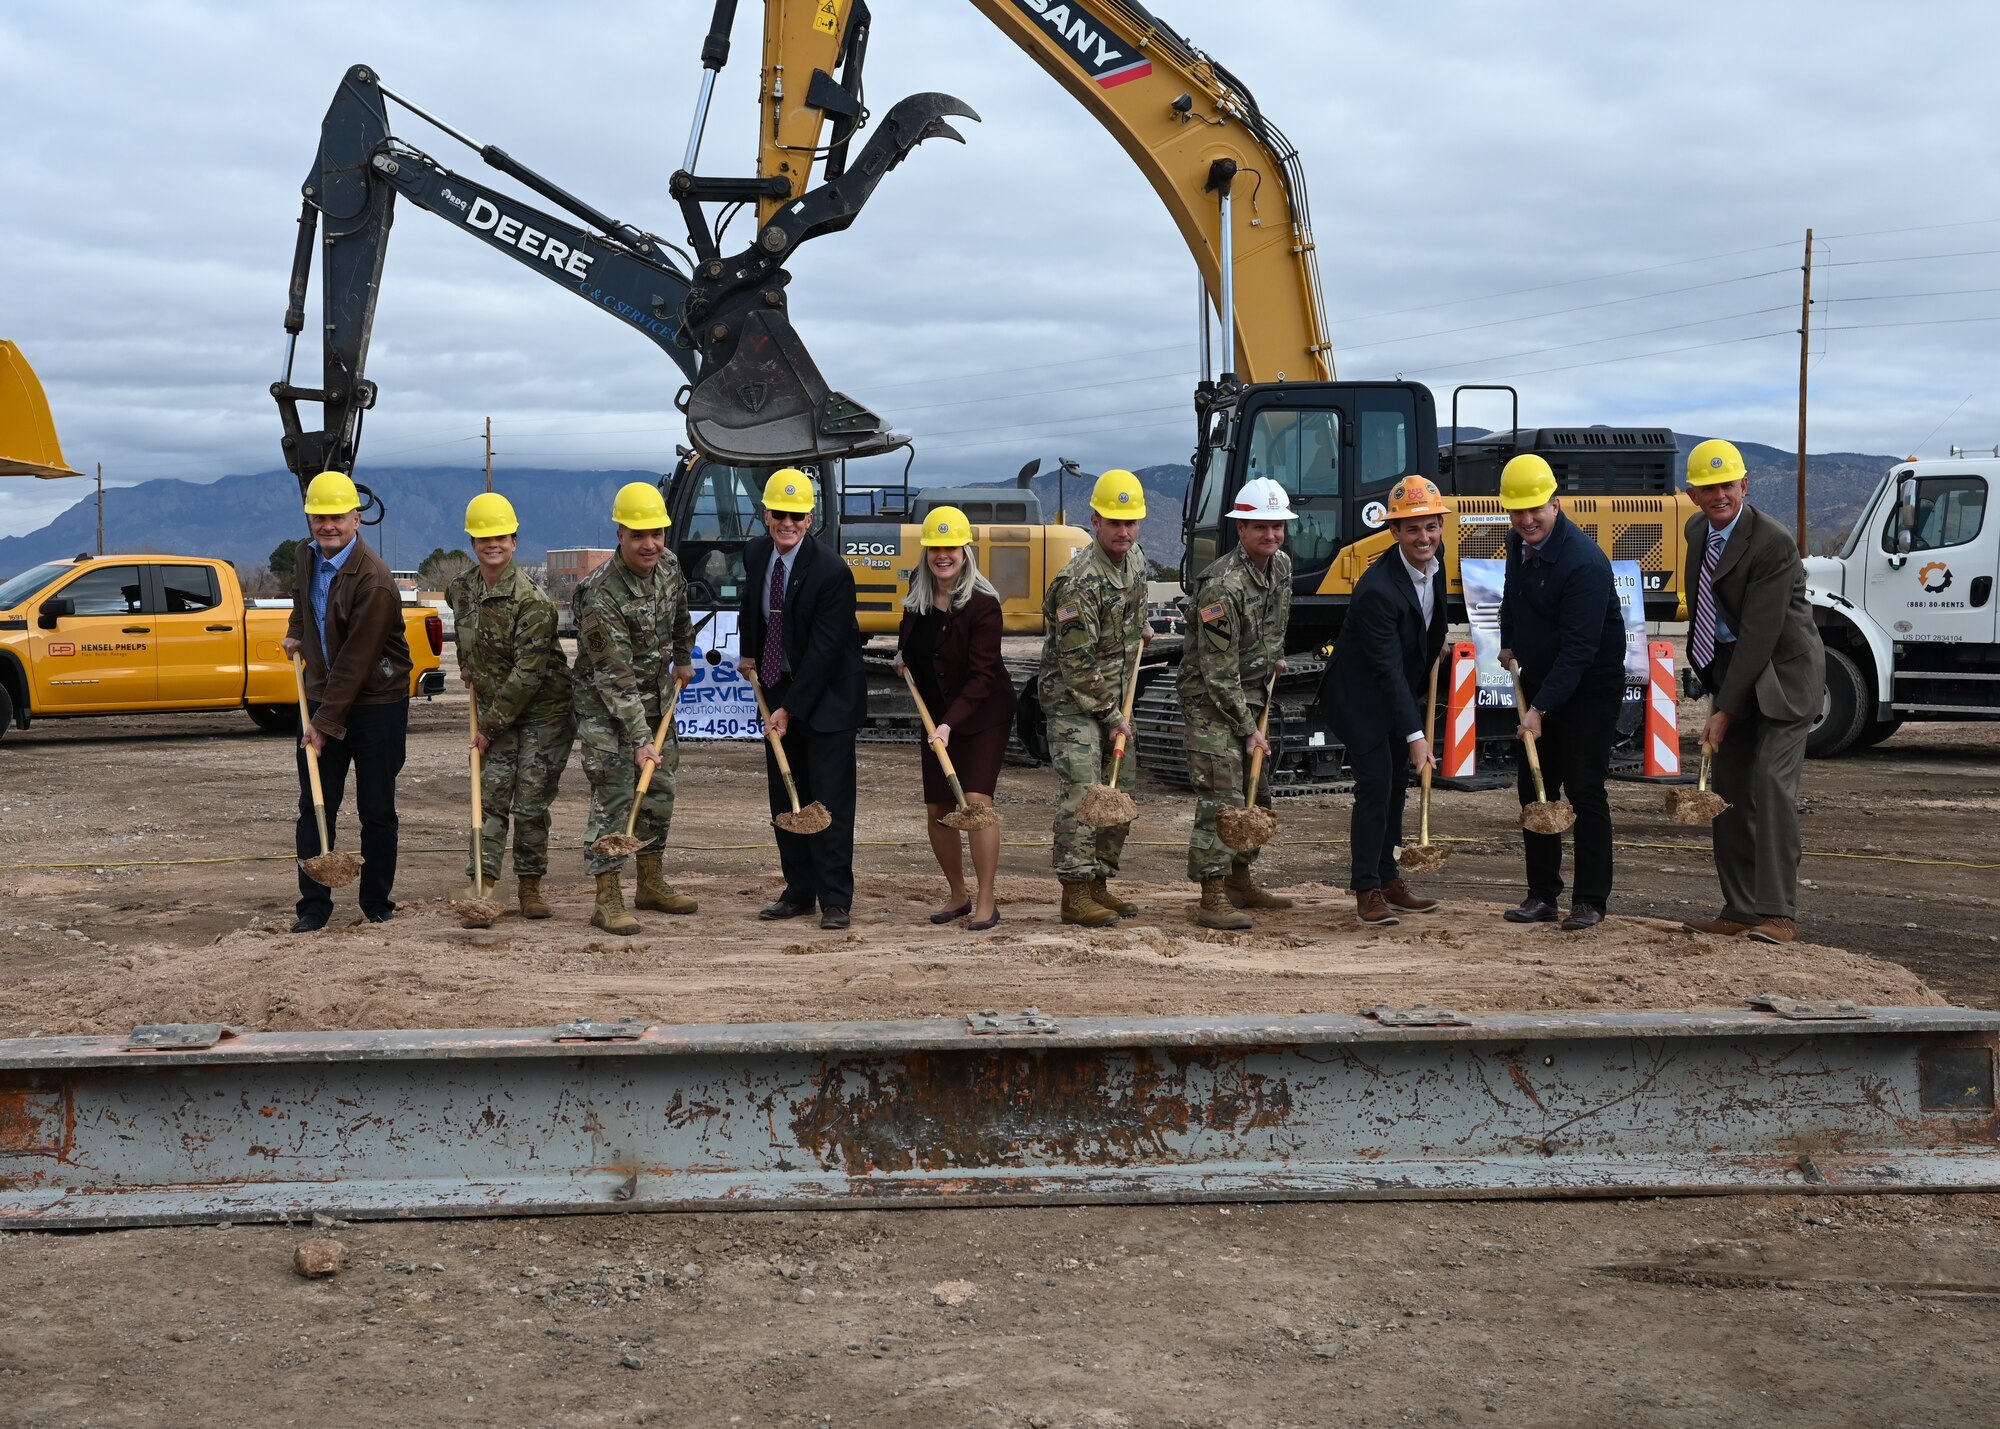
<point x="347" y="621"/>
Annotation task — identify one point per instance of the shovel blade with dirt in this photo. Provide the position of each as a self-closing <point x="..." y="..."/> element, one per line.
<point x="1106" y="806"/>
<point x="1699" y="805"/>
<point x="813" y="818"/>
<point x="330" y="867"/>
<point x="1423" y="856"/>
<point x="1251" y="827"/>
<point x="1542" y="816"/>
<point x="626" y="844"/>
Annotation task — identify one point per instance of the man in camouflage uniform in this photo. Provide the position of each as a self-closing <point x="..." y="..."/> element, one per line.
<point x="509" y="655"/>
<point x="1235" y="640"/>
<point x="634" y="642"/>
<point x="1094" y="616"/>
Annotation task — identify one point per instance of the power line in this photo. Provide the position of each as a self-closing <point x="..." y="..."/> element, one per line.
<point x="1922" y="228"/>
<point x="1639" y="356"/>
<point x="1567" y="283"/>
<point x="1560" y="312"/>
<point x="1912" y="258"/>
<point x="1618" y="337"/>
<point x="1915" y="322"/>
<point x="1891" y="297"/>
<point x="1947" y="417"/>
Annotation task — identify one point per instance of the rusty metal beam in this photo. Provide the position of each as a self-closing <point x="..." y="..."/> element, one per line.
<point x="147" y="1130"/>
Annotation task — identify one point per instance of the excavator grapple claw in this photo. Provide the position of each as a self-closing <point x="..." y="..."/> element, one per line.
<point x="767" y="404"/>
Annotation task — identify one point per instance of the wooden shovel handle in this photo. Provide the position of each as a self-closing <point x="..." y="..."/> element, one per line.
<point x="1430" y="737"/>
<point x="1263" y="728"/>
<point x="1527" y="736"/>
<point x="646" y="769"/>
<point x="1131" y="698"/>
<point x="930" y="733"/>
<point x="478" y="804"/>
<point x="777" y="745"/>
<point x="312" y="757"/>
<point x="1706" y="750"/>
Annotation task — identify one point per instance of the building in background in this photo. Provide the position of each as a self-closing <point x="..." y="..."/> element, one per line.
<point x="566" y="568"/>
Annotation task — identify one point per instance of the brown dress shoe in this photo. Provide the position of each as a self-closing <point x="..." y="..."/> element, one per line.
<point x="1719" y="927"/>
<point x="1774" y="930"/>
<point x="1401" y="897"/>
<point x="1373" y="910"/>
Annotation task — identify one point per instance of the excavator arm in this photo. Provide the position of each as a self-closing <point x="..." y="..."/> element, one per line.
<point x="755" y="395"/>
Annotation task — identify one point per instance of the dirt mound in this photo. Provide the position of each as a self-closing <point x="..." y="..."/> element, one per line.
<point x="424" y="970"/>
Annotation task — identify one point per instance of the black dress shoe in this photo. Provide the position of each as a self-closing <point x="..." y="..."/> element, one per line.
<point x="309" y="923"/>
<point x="949" y="915"/>
<point x="833" y="918"/>
<point x="782" y="909"/>
<point x="1582" y="916"/>
<point x="380" y="916"/>
<point x="1532" y="910"/>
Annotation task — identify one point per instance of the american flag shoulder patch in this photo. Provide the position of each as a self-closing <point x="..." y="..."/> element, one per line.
<point x="1068" y="612"/>
<point x="1213" y="612"/>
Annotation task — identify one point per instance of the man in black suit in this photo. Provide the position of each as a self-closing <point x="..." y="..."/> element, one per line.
<point x="1751" y="638"/>
<point x="799" y="634"/>
<point x="1392" y="636"/>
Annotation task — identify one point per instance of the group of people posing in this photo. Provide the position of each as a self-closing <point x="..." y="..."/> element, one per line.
<point x="1751" y="641"/>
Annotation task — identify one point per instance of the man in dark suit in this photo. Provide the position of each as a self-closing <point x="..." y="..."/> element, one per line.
<point x="1560" y="614"/>
<point x="799" y="633"/>
<point x="1752" y="641"/>
<point x="1379" y="679"/>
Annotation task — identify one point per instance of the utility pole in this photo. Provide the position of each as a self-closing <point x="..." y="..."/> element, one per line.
<point x="100" y="508"/>
<point x="1805" y="349"/>
<point x="489" y="453"/>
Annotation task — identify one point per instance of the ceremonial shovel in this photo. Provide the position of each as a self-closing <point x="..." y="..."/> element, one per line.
<point x="1106" y="806"/>
<point x="1251" y="827"/>
<point x="1540" y="817"/>
<point x="620" y="845"/>
<point x="478" y="911"/>
<point x="813" y="818"/>
<point x="965" y="816"/>
<point x="1698" y="805"/>
<point x="1424" y="856"/>
<point x="334" y="870"/>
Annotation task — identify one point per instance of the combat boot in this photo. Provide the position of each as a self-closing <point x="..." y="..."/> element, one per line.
<point x="530" y="891"/>
<point x="611" y="915"/>
<point x="1243" y="891"/>
<point x="1215" y="910"/>
<point x="655" y="894"/>
<point x="1103" y="897"/>
<point x="1080" y="908"/>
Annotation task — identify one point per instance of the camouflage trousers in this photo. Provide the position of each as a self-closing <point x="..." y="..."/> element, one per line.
<point x="1216" y="772"/>
<point x="519" y="775"/>
<point x="614" y="779"/>
<point x="1080" y="750"/>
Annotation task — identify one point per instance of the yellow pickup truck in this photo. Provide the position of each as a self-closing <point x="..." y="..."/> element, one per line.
<point x="151" y="634"/>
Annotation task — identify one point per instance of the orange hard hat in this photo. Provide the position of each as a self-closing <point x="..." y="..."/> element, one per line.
<point x="1415" y="496"/>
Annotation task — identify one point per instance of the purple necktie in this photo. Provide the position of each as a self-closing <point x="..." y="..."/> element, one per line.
<point x="1701" y="640"/>
<point x="770" y="661"/>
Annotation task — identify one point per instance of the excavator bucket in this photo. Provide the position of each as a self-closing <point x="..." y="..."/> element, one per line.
<point x="767" y="405"/>
<point x="28" y="445"/>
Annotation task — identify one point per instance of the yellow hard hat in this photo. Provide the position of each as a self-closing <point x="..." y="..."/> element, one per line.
<point x="332" y="493"/>
<point x="1118" y="496"/>
<point x="640" y="507"/>
<point x="490" y="514"/>
<point x="1713" y="462"/>
<point x="1417" y="496"/>
<point x="1525" y="483"/>
<point x="947" y="526"/>
<point x="789" y="489"/>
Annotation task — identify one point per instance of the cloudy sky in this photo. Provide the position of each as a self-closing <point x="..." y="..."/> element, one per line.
<point x="1605" y="205"/>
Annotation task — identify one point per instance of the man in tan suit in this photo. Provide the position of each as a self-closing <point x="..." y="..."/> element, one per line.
<point x="1751" y="639"/>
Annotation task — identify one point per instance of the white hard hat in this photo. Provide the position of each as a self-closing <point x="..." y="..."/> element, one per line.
<point x="1262" y="499"/>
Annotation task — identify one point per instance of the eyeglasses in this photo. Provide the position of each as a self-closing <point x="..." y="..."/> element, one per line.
<point x="787" y="518"/>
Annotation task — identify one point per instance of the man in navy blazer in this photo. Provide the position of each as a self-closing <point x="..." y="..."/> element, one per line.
<point x="1378" y="679"/>
<point x="798" y="631"/>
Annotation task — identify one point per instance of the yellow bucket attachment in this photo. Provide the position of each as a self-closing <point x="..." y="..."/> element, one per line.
<point x="28" y="445"/>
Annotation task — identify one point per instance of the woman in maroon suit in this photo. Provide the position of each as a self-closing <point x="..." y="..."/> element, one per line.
<point x="950" y="643"/>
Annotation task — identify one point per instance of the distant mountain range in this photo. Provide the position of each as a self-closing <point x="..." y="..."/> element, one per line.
<point x="241" y="518"/>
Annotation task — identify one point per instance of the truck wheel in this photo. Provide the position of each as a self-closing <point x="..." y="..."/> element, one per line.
<point x="1875" y="731"/>
<point x="1843" y="712"/>
<point x="275" y="719"/>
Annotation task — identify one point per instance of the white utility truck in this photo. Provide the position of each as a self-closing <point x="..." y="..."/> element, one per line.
<point x="1907" y="610"/>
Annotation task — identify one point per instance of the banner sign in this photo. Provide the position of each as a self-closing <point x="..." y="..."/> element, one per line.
<point x="719" y="703"/>
<point x="1484" y="582"/>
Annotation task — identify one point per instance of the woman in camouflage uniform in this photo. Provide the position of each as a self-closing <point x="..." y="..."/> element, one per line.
<point x="508" y="654"/>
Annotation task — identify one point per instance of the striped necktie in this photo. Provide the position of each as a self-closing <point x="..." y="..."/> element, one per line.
<point x="1701" y="639"/>
<point x="770" y="660"/>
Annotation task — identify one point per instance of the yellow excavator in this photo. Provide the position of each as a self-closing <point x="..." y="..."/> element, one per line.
<point x="28" y="444"/>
